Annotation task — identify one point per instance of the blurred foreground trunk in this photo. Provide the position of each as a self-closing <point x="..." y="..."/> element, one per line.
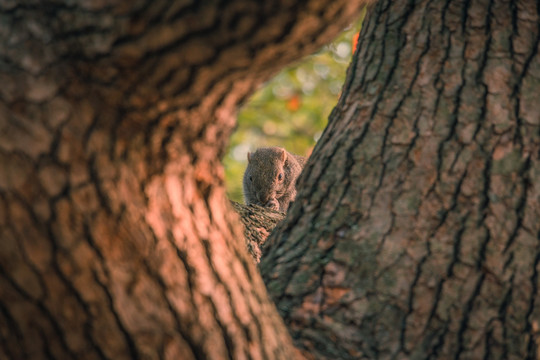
<point x="116" y="237"/>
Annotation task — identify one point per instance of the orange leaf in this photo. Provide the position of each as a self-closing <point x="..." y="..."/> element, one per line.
<point x="293" y="104"/>
<point x="355" y="41"/>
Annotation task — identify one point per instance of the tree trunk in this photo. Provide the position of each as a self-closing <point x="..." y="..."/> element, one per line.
<point x="116" y="237"/>
<point x="416" y="231"/>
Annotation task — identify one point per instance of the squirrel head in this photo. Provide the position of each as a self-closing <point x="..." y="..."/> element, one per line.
<point x="266" y="176"/>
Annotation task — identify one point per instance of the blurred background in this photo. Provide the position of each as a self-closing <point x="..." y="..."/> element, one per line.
<point x="292" y="109"/>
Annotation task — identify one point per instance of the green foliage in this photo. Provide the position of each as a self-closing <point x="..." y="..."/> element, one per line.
<point x="292" y="109"/>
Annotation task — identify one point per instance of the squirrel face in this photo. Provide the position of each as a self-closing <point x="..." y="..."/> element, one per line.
<point x="266" y="177"/>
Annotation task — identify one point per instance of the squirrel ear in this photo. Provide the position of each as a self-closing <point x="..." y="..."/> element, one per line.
<point x="249" y="156"/>
<point x="283" y="155"/>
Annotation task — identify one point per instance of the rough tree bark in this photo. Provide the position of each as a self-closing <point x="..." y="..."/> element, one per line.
<point x="258" y="223"/>
<point x="116" y="237"/>
<point x="416" y="232"/>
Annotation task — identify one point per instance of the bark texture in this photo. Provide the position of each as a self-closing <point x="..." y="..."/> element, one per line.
<point x="416" y="230"/>
<point x="258" y="223"/>
<point x="116" y="238"/>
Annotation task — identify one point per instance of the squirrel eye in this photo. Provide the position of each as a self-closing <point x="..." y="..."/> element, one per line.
<point x="250" y="178"/>
<point x="280" y="176"/>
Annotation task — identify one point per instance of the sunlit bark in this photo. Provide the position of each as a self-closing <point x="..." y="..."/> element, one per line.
<point x="116" y="238"/>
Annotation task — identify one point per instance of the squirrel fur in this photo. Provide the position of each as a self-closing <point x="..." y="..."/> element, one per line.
<point x="270" y="178"/>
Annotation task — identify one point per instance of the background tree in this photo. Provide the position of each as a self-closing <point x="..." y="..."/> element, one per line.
<point x="117" y="240"/>
<point x="416" y="232"/>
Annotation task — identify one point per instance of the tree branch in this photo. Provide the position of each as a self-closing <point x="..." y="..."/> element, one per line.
<point x="258" y="224"/>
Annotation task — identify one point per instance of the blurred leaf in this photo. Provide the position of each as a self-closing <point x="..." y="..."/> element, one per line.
<point x="294" y="103"/>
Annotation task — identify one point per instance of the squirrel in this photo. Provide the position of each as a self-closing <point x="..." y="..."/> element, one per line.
<point x="270" y="177"/>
